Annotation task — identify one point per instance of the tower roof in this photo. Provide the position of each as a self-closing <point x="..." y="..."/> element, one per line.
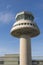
<point x="24" y="15"/>
<point x="24" y="12"/>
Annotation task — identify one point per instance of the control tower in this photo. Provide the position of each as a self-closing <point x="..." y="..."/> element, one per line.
<point x="25" y="28"/>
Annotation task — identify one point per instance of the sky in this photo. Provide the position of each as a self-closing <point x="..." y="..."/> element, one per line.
<point x="8" y="11"/>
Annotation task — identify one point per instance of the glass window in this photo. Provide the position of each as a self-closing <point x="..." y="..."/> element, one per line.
<point x="34" y="25"/>
<point x="30" y="23"/>
<point x="21" y="23"/>
<point x="34" y="62"/>
<point x="29" y="17"/>
<point x="20" y="17"/>
<point x="1" y="62"/>
<point x="25" y="16"/>
<point x="27" y="23"/>
<point x="40" y="62"/>
<point x="24" y="23"/>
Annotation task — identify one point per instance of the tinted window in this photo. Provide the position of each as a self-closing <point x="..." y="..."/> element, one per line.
<point x="1" y="62"/>
<point x="25" y="16"/>
<point x="20" y="17"/>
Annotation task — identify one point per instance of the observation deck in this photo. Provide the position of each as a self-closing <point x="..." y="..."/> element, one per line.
<point x="25" y="25"/>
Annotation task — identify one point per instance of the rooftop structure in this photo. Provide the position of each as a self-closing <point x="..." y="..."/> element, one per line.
<point x="13" y="59"/>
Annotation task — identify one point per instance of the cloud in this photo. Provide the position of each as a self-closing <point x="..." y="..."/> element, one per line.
<point x="2" y="51"/>
<point x="6" y="17"/>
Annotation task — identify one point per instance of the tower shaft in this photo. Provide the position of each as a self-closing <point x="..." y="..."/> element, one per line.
<point x="25" y="50"/>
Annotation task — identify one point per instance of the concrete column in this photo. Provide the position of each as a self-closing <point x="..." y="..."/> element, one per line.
<point x="25" y="50"/>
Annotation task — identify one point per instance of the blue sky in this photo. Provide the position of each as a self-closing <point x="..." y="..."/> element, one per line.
<point x="8" y="10"/>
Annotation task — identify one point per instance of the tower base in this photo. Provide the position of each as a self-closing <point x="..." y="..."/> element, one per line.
<point x="25" y="50"/>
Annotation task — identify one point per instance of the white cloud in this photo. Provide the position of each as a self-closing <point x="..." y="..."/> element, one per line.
<point x="2" y="51"/>
<point x="6" y="17"/>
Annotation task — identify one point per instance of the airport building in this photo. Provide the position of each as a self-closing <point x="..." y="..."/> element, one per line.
<point x="13" y="59"/>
